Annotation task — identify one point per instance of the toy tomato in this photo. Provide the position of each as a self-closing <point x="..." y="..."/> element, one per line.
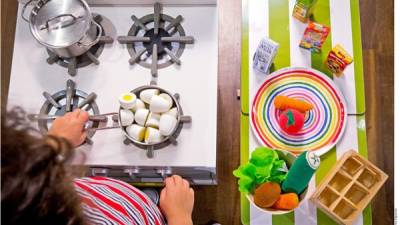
<point x="291" y="121"/>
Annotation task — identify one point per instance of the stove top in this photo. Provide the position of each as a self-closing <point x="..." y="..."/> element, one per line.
<point x="192" y="74"/>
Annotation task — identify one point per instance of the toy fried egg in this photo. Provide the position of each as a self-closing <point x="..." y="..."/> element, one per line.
<point x="135" y="131"/>
<point x="127" y="100"/>
<point x="126" y="117"/>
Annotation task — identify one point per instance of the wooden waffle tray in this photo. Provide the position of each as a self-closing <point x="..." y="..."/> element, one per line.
<point x="348" y="188"/>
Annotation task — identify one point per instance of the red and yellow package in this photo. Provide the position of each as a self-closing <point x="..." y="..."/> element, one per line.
<point x="314" y="36"/>
<point x="337" y="60"/>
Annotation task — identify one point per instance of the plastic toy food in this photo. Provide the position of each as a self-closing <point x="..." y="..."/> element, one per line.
<point x="127" y="100"/>
<point x="283" y="102"/>
<point x="127" y="117"/>
<point x="300" y="173"/>
<point x="337" y="60"/>
<point x="291" y="121"/>
<point x="286" y="201"/>
<point x="264" y="166"/>
<point x="265" y="55"/>
<point x="267" y="194"/>
<point x="303" y="9"/>
<point x="314" y="37"/>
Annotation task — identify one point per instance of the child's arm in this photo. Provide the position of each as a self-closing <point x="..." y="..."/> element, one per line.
<point x="177" y="200"/>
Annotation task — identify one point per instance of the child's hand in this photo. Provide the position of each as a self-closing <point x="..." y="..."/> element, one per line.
<point x="177" y="200"/>
<point x="71" y="126"/>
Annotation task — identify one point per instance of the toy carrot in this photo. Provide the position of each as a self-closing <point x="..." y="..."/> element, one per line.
<point x="283" y="102"/>
<point x="286" y="201"/>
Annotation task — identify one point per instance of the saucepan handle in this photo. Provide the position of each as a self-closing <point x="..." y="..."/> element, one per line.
<point x="99" y="33"/>
<point x="106" y="127"/>
<point x="24" y="9"/>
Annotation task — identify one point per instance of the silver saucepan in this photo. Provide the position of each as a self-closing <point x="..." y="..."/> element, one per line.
<point x="66" y="28"/>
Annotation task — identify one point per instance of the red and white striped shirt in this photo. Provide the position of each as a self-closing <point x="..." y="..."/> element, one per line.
<point x="110" y="201"/>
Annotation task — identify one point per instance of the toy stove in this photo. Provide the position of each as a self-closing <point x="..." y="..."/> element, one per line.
<point x="173" y="46"/>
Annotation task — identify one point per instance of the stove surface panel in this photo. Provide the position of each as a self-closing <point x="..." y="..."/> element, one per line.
<point x="195" y="80"/>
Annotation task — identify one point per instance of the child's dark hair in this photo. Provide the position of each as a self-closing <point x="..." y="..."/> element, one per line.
<point x="35" y="186"/>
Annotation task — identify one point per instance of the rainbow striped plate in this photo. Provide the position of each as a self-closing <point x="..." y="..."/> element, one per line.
<point x="324" y="124"/>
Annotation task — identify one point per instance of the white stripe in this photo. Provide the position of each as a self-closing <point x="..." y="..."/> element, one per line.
<point x="348" y="142"/>
<point x="306" y="213"/>
<point x="258" y="29"/>
<point x="298" y="56"/>
<point x="341" y="32"/>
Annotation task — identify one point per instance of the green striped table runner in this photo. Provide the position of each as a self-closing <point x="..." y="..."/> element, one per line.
<point x="272" y="18"/>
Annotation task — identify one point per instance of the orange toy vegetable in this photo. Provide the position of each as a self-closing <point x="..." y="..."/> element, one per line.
<point x="283" y="102"/>
<point x="267" y="194"/>
<point x="287" y="201"/>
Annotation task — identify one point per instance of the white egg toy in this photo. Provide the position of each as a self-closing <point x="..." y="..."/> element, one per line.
<point x="126" y="117"/>
<point x="137" y="132"/>
<point x="141" y="116"/>
<point x="147" y="94"/>
<point x="168" y="98"/>
<point x="127" y="100"/>
<point x="152" y="136"/>
<point x="173" y="112"/>
<point x="153" y="120"/>
<point x="159" y="104"/>
<point x="139" y="104"/>
<point x="167" y="124"/>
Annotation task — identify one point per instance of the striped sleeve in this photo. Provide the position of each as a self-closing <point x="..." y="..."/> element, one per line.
<point x="108" y="201"/>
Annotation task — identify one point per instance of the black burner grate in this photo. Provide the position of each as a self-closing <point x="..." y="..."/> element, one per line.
<point x="160" y="36"/>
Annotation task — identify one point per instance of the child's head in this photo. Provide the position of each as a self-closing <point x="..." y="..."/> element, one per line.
<point x="35" y="188"/>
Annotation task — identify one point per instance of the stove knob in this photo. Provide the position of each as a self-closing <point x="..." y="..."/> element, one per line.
<point x="132" y="172"/>
<point x="99" y="172"/>
<point x="164" y="172"/>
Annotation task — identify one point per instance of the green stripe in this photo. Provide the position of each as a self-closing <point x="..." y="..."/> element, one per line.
<point x="358" y="58"/>
<point x="362" y="149"/>
<point x="244" y="98"/>
<point x="322" y="16"/>
<point x="244" y="81"/>
<point x="279" y="32"/>
<point x="244" y="158"/>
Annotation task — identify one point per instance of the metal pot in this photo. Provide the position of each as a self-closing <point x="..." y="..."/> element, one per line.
<point x="64" y="27"/>
<point x="171" y="138"/>
<point x="153" y="146"/>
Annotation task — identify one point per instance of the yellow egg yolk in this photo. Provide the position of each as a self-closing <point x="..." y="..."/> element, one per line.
<point x="127" y="97"/>
<point x="146" y="135"/>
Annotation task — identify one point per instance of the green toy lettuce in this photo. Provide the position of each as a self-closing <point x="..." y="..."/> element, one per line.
<point x="264" y="166"/>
